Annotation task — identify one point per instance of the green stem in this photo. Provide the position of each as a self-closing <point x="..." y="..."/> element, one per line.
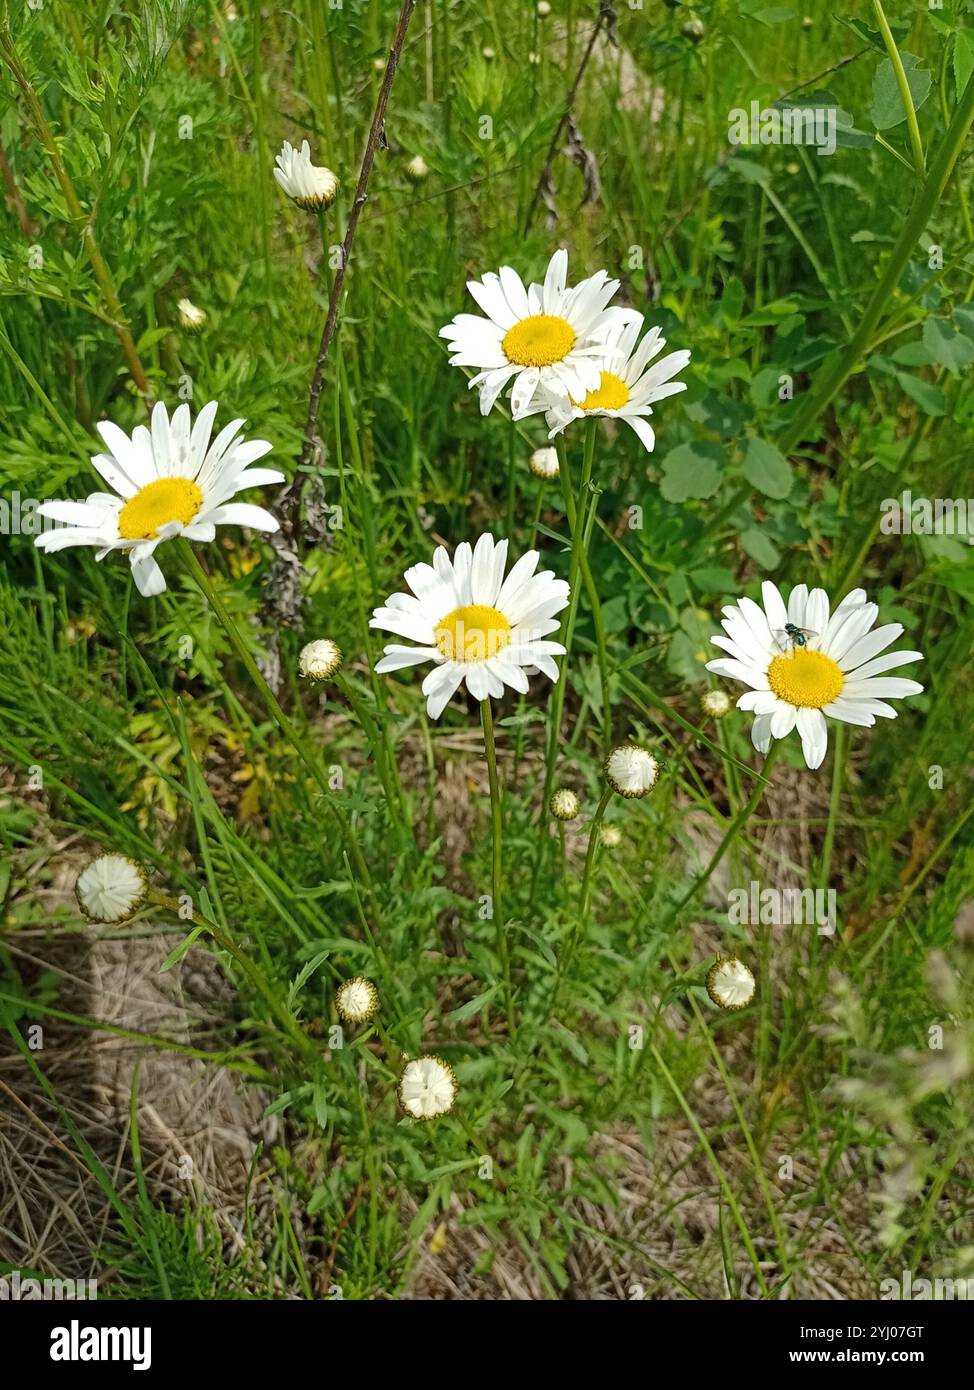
<point x="497" y="859"/>
<point x="736" y="825"/>
<point x="838" y="770"/>
<point x="906" y="96"/>
<point x="202" y="580"/>
<point x="581" y="921"/>
<point x="928" y="196"/>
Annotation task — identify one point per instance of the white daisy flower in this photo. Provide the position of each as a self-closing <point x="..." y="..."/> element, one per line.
<point x="544" y="463"/>
<point x="627" y="391"/>
<point x="427" y="1088"/>
<point x="716" y="703"/>
<point x="545" y="335"/>
<point x="631" y="771"/>
<point x="564" y="804"/>
<point x="730" y="984"/>
<point x="357" y="1000"/>
<point x="311" y="186"/>
<point x="111" y="888"/>
<point x="320" y="660"/>
<point x="804" y="666"/>
<point x="190" y="316"/>
<point x="169" y="481"/>
<point x="476" y="626"/>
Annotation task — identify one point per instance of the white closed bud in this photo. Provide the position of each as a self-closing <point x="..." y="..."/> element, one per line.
<point x="564" y="804"/>
<point x="544" y="463"/>
<point x="320" y="660"/>
<point x="311" y="186"/>
<point x="631" y="771"/>
<point x="716" y="703"/>
<point x="190" y="316"/>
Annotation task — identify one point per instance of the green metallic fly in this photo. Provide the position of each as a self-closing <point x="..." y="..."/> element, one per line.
<point x="798" y="636"/>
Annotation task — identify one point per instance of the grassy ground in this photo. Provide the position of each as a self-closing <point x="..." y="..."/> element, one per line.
<point x="197" y="1127"/>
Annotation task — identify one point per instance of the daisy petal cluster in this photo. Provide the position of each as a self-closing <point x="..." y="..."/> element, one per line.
<point x="478" y="628"/>
<point x="311" y="186"/>
<point x="806" y="664"/>
<point x="167" y="481"/>
<point x="630" y="382"/>
<point x="546" y="335"/>
<point x="564" y="349"/>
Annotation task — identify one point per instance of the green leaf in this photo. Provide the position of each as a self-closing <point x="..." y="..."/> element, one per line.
<point x="963" y="58"/>
<point x="947" y="346"/>
<point x="179" y="951"/>
<point x="691" y="470"/>
<point x="929" y="398"/>
<point x="767" y="469"/>
<point x="887" y="108"/>
<point x="761" y="548"/>
<point x="473" y="1006"/>
<point x="732" y="300"/>
<point x="873" y="36"/>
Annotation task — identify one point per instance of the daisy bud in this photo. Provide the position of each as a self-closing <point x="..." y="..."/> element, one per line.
<point x="716" y="703"/>
<point x="311" y="186"/>
<point x="427" y="1088"/>
<point x="543" y="463"/>
<point x="534" y="59"/>
<point x="694" y="30"/>
<point x="357" y="1000"/>
<point x="544" y="9"/>
<point x="730" y="984"/>
<point x="379" y="64"/>
<point x="189" y="316"/>
<point x="489" y="54"/>
<point x="631" y="771"/>
<point x="807" y="22"/>
<point x="111" y="888"/>
<point x="611" y="836"/>
<point x="564" y="804"/>
<point x="417" y="168"/>
<point x="320" y="660"/>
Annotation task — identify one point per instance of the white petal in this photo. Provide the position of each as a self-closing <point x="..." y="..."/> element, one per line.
<point x="814" y="736"/>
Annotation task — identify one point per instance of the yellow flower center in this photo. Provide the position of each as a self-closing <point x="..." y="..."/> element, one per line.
<point x="805" y="678"/>
<point x="156" y="504"/>
<point x="539" y="340"/>
<point x="472" y="633"/>
<point x="612" y="394"/>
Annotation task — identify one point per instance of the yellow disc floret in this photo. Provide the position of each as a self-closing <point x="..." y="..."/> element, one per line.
<point x="805" y="678"/>
<point x="157" y="504"/>
<point x="612" y="394"/>
<point x="472" y="633"/>
<point x="539" y="341"/>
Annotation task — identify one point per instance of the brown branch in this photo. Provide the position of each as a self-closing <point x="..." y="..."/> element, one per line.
<point x="604" y="14"/>
<point x="375" y="138"/>
<point x="14" y="197"/>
